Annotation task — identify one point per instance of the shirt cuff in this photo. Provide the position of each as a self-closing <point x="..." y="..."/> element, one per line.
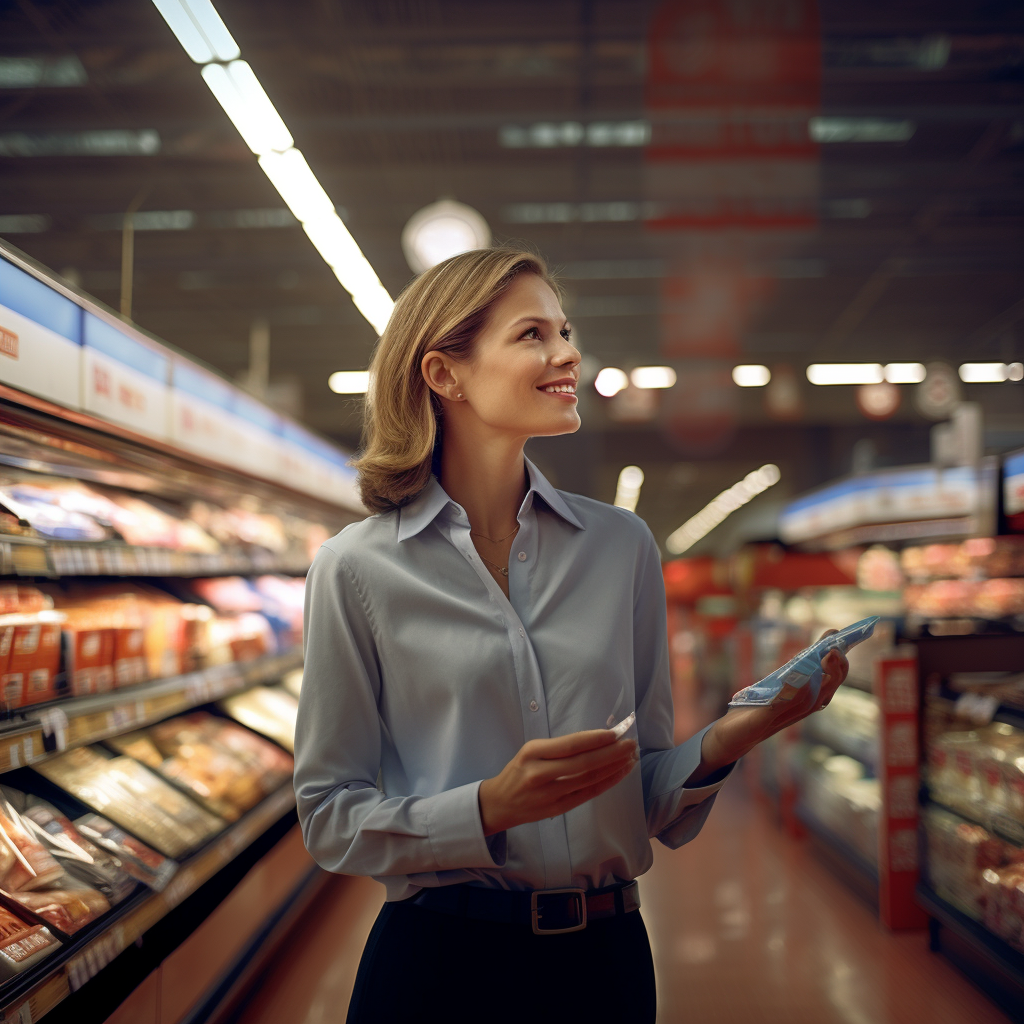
<point x="456" y="833"/>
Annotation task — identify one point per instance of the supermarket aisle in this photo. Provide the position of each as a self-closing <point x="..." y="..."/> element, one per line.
<point x="746" y="927"/>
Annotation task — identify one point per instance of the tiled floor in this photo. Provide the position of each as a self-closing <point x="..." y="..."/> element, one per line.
<point x="746" y="925"/>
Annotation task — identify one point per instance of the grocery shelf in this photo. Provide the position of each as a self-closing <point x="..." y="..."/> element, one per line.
<point x="32" y="556"/>
<point x="993" y="964"/>
<point x="1006" y="828"/>
<point x="858" y="873"/>
<point x="38" y="991"/>
<point x="39" y="732"/>
<point x="858" y="747"/>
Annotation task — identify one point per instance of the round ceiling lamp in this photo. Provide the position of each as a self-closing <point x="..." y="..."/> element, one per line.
<point x="878" y="401"/>
<point x="440" y="231"/>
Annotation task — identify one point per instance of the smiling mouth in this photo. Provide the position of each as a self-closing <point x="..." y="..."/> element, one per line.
<point x="559" y="389"/>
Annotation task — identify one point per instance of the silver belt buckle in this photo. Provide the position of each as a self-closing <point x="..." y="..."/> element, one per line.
<point x="537" y="899"/>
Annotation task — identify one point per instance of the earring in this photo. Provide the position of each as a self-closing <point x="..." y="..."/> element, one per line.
<point x="459" y="395"/>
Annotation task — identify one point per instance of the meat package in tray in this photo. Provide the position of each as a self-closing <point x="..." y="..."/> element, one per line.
<point x="135" y="798"/>
<point x="224" y="766"/>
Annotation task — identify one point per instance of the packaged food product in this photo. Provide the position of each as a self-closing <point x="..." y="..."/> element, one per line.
<point x="139" y="860"/>
<point x="65" y="910"/>
<point x="133" y="797"/>
<point x="268" y="710"/>
<point x="24" y="862"/>
<point x="225" y="767"/>
<point x="76" y="854"/>
<point x="33" y="660"/>
<point x="804" y="669"/>
<point x="22" y="945"/>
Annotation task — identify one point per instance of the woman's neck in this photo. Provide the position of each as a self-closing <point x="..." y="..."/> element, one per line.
<point x="488" y="481"/>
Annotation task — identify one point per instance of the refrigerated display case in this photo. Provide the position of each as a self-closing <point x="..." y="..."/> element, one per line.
<point x="156" y="524"/>
<point x="973" y="820"/>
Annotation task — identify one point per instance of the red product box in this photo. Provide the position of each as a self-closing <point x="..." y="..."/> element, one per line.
<point x="85" y="650"/>
<point x="129" y="655"/>
<point x="34" y="663"/>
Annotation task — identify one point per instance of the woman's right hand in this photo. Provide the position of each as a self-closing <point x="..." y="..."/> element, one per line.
<point x="549" y="777"/>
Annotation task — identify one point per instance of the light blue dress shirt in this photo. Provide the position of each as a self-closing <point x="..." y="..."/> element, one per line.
<point x="422" y="679"/>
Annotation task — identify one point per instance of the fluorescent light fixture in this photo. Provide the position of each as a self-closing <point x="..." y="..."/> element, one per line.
<point x="650" y="377"/>
<point x="440" y="231"/>
<point x="905" y="373"/>
<point x="751" y="375"/>
<point x="233" y="83"/>
<point x="845" y="373"/>
<point x="23" y="223"/>
<point x="237" y="89"/>
<point x="610" y="381"/>
<point x="199" y="29"/>
<point x="990" y="373"/>
<point x="290" y="175"/>
<point x="103" y="142"/>
<point x="349" y="382"/>
<point x="721" y="507"/>
<point x="29" y="72"/>
<point x="860" y="129"/>
<point x="552" y="134"/>
<point x="627" y="490"/>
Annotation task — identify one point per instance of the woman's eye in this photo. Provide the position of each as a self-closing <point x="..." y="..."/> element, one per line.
<point x="531" y="333"/>
<point x="566" y="333"/>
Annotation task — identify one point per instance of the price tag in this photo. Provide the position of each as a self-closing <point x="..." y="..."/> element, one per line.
<point x="55" y="723"/>
<point x="14" y="754"/>
<point x="28" y="748"/>
<point x="979" y="708"/>
<point x="120" y="717"/>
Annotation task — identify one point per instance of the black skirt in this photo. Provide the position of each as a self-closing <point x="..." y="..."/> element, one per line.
<point x="420" y="964"/>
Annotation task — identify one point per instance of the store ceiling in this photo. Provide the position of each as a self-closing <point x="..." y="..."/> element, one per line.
<point x="905" y="242"/>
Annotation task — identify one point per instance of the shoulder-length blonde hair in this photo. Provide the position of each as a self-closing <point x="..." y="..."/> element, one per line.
<point x="443" y="310"/>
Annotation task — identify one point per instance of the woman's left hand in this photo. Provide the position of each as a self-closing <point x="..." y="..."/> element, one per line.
<point x="743" y="728"/>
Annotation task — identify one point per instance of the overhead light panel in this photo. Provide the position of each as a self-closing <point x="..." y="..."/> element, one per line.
<point x="905" y="373"/>
<point x="720" y="508"/>
<point x="235" y="86"/>
<point x="627" y="490"/>
<point x="751" y="375"/>
<point x="610" y="381"/>
<point x="199" y="29"/>
<point x="652" y="377"/>
<point x="349" y="382"/>
<point x="990" y="373"/>
<point x="845" y="373"/>
<point x="238" y="91"/>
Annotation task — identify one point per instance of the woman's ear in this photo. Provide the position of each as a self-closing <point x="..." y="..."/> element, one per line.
<point x="437" y="372"/>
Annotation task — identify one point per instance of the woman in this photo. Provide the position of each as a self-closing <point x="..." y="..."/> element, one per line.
<point x="467" y="648"/>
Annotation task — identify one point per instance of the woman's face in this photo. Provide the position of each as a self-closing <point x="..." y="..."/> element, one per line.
<point x="521" y="377"/>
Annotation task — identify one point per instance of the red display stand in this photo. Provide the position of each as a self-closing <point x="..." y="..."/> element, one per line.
<point x="896" y="686"/>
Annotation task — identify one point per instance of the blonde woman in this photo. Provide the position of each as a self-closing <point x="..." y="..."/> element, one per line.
<point x="467" y="648"/>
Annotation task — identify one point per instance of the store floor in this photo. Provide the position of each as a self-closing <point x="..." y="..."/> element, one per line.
<point x="746" y="926"/>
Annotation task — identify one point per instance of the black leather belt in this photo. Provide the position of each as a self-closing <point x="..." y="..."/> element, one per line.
<point x="547" y="911"/>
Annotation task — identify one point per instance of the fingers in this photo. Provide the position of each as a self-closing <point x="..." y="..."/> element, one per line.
<point x="828" y="632"/>
<point x="611" y="757"/>
<point x="573" y="743"/>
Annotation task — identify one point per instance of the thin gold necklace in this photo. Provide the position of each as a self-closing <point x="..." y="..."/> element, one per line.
<point x="500" y="540"/>
<point x="497" y="568"/>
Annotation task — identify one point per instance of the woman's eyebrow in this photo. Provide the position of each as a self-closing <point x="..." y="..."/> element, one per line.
<point x="534" y="320"/>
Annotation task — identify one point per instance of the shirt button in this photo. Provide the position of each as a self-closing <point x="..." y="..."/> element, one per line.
<point x="522" y="632"/>
<point x="534" y="706"/>
<point x="522" y="556"/>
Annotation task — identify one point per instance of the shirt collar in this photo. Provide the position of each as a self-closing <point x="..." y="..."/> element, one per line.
<point x="428" y="505"/>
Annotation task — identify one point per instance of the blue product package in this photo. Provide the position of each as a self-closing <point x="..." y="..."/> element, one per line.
<point x="785" y="682"/>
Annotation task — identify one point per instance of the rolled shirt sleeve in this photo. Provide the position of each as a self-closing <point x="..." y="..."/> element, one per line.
<point x="348" y="824"/>
<point x="675" y="812"/>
